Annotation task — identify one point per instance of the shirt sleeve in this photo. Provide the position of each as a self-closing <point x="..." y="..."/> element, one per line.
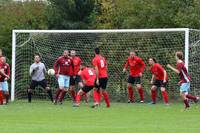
<point x="31" y="70"/>
<point x="8" y="70"/>
<point x="94" y="62"/>
<point x="179" y="66"/>
<point x="56" y="65"/>
<point x="141" y="62"/>
<point x="126" y="64"/>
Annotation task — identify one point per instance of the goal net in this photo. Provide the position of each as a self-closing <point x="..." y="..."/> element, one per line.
<point x="114" y="45"/>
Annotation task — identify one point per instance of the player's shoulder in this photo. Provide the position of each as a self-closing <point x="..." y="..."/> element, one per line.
<point x="7" y="64"/>
<point x="60" y="57"/>
<point x="180" y="62"/>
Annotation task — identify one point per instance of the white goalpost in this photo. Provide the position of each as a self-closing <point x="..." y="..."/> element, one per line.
<point x="114" y="44"/>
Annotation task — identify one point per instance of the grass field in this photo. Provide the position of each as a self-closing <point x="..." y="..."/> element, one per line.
<point x="43" y="117"/>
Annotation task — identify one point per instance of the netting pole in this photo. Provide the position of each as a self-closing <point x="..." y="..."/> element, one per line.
<point x="13" y="65"/>
<point x="186" y="47"/>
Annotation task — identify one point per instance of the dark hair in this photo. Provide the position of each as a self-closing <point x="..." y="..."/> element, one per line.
<point x="179" y="54"/>
<point x="154" y="59"/>
<point x="97" y="50"/>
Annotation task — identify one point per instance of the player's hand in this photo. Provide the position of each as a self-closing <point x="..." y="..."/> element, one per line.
<point x="74" y="77"/>
<point x="164" y="81"/>
<point x="57" y="75"/>
<point x="97" y="82"/>
<point x="151" y="82"/>
<point x="140" y="74"/>
<point x="124" y="70"/>
<point x="169" y="66"/>
<point x="6" y="79"/>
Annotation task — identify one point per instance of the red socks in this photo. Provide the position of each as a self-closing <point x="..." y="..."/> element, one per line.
<point x="1" y="97"/>
<point x="165" y="96"/>
<point x="189" y="96"/>
<point x="96" y="96"/>
<point x="130" y="93"/>
<point x="62" y="95"/>
<point x="186" y="103"/>
<point x="57" y="94"/>
<point x="73" y="94"/>
<point x="140" y="91"/>
<point x="153" y="95"/>
<point x="106" y="98"/>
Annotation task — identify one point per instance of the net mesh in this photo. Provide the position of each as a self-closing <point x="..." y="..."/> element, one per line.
<point x="114" y="46"/>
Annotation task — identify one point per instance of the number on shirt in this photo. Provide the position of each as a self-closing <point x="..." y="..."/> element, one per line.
<point x="90" y="72"/>
<point x="102" y="63"/>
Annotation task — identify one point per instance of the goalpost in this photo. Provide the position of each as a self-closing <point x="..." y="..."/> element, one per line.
<point x="114" y="45"/>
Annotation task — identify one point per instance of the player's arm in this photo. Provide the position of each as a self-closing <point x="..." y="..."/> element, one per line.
<point x="126" y="66"/>
<point x="31" y="71"/>
<point x="2" y="73"/>
<point x="8" y="72"/>
<point x="164" y="72"/>
<point x="165" y="76"/>
<point x="152" y="78"/>
<point x="44" y="70"/>
<point x="56" y="67"/>
<point x="142" y="66"/>
<point x="97" y="74"/>
<point x="173" y="69"/>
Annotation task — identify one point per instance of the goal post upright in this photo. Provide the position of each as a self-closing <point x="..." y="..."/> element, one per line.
<point x="13" y="65"/>
<point x="187" y="32"/>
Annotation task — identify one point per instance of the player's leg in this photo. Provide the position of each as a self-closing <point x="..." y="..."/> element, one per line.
<point x="189" y="96"/>
<point x="64" y="91"/>
<point x="183" y="92"/>
<point x="103" y="85"/>
<point x="165" y="95"/>
<point x="5" y="91"/>
<point x="80" y="93"/>
<point x="80" y="84"/>
<point x="32" y="86"/>
<point x="61" y="87"/>
<point x="131" y="81"/>
<point x="43" y="83"/>
<point x="96" y="95"/>
<point x="1" y="94"/>
<point x="153" y="94"/>
<point x="164" y="92"/>
<point x="139" y="89"/>
<point x="72" y="88"/>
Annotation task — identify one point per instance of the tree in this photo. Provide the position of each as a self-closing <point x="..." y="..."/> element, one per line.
<point x="69" y="14"/>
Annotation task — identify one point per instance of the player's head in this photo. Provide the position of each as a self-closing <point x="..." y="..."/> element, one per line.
<point x="152" y="61"/>
<point x="3" y="60"/>
<point x="37" y="58"/>
<point x="179" y="55"/>
<point x="97" y="51"/>
<point x="132" y="53"/>
<point x="66" y="53"/>
<point x="73" y="53"/>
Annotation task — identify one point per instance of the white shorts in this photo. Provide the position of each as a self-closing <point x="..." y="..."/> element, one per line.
<point x="185" y="87"/>
<point x="63" y="81"/>
<point x="4" y="86"/>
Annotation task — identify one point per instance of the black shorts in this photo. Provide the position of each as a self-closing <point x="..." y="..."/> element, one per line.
<point x="159" y="83"/>
<point x="42" y="83"/>
<point x="134" y="80"/>
<point x="86" y="89"/>
<point x="75" y="80"/>
<point x="102" y="83"/>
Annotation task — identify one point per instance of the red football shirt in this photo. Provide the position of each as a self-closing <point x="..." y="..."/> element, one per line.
<point x="136" y="65"/>
<point x="101" y="64"/>
<point x="158" y="71"/>
<point x="6" y="69"/>
<point x="64" y="66"/>
<point x="184" y="76"/>
<point x="88" y="75"/>
<point x="77" y="63"/>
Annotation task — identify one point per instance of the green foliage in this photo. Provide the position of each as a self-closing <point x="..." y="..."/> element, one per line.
<point x="18" y="15"/>
<point x="69" y="14"/>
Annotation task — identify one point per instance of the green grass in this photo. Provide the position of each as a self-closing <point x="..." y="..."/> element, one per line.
<point x="43" y="117"/>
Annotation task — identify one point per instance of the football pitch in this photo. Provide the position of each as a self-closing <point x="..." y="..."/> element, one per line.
<point x="43" y="117"/>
